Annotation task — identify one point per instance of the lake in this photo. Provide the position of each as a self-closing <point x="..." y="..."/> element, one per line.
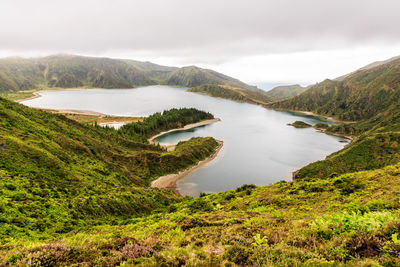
<point x="259" y="147"/>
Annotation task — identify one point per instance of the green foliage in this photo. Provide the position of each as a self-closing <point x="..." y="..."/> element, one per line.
<point x="280" y="93"/>
<point x="315" y="224"/>
<point x="193" y="76"/>
<point x="361" y="95"/>
<point x="260" y="241"/>
<point x="354" y="222"/>
<point x="68" y="71"/>
<point x="254" y="96"/>
<point x="159" y="122"/>
<point x="57" y="175"/>
<point x="367" y="152"/>
<point x="300" y="124"/>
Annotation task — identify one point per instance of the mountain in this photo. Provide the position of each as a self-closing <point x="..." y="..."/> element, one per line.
<point x="157" y="73"/>
<point x="253" y="96"/>
<point x="193" y="76"/>
<point x="283" y="92"/>
<point x="67" y="71"/>
<point x="367" y="67"/>
<point x="360" y="95"/>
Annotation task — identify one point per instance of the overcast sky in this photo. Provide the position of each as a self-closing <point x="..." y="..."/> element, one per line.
<point x="256" y="41"/>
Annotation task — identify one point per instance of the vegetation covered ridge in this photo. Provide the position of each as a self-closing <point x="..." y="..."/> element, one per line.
<point x="58" y="175"/>
<point x="360" y="95"/>
<point x="70" y="71"/>
<point x="350" y="220"/>
<point x="283" y="92"/>
<point x="160" y="122"/>
<point x="255" y="96"/>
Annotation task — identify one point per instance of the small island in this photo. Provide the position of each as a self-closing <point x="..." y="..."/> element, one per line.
<point x="300" y="124"/>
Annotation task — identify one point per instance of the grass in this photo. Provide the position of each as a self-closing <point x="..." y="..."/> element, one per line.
<point x="313" y="222"/>
<point x="57" y="175"/>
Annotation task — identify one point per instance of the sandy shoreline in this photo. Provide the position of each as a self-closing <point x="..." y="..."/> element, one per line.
<point x="36" y="94"/>
<point x="169" y="181"/>
<point x="317" y="115"/>
<point x="187" y="127"/>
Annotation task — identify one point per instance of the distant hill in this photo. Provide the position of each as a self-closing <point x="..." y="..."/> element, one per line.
<point x="155" y="72"/>
<point x="286" y="91"/>
<point x="367" y="67"/>
<point x="70" y="71"/>
<point x="361" y="95"/>
<point x="254" y="96"/>
<point x="194" y="76"/>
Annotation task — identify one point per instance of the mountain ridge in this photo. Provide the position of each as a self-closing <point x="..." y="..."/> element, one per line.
<point x="283" y="92"/>
<point x="361" y="95"/>
<point x="71" y="71"/>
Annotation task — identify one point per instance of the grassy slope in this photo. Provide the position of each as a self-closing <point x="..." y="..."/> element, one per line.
<point x="67" y="71"/>
<point x="233" y="93"/>
<point x="361" y="95"/>
<point x="74" y="71"/>
<point x="57" y="174"/>
<point x="352" y="220"/>
<point x="280" y="93"/>
<point x="193" y="76"/>
<point x="18" y="76"/>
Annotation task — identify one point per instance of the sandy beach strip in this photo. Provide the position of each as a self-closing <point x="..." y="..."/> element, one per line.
<point x="169" y="181"/>
<point x="187" y="127"/>
<point x="37" y="94"/>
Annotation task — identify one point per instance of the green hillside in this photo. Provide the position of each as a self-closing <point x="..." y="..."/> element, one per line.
<point x="193" y="76"/>
<point x="283" y="92"/>
<point x="57" y="175"/>
<point x="361" y="95"/>
<point x="157" y="73"/>
<point x="254" y="96"/>
<point x="351" y="220"/>
<point x="69" y="71"/>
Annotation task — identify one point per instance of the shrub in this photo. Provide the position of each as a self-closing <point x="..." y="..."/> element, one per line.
<point x="237" y="254"/>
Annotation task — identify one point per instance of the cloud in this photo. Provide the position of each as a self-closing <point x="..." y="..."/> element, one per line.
<point x="209" y="25"/>
<point x="195" y="32"/>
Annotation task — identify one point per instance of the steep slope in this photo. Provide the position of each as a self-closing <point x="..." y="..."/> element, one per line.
<point x="283" y="92"/>
<point x="193" y="76"/>
<point x="253" y="96"/>
<point x="351" y="220"/>
<point x="153" y="71"/>
<point x="361" y="95"/>
<point x="57" y="175"/>
<point x="74" y="71"/>
<point x="68" y="71"/>
<point x="367" y="67"/>
<point x="19" y="74"/>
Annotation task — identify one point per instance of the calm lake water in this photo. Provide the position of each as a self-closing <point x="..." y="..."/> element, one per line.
<point x="259" y="147"/>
